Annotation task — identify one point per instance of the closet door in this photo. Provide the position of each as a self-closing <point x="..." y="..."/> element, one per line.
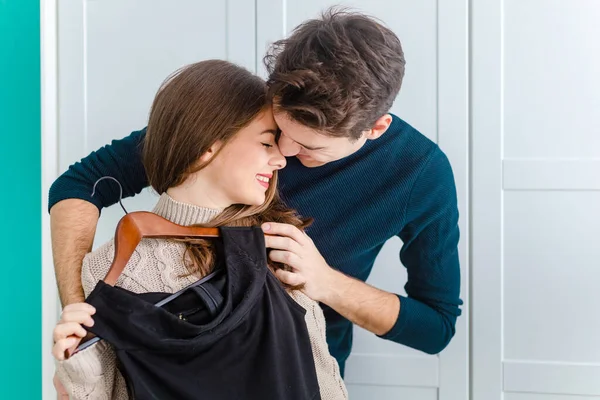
<point x="536" y="200"/>
<point x="434" y="100"/>
<point x="113" y="56"/>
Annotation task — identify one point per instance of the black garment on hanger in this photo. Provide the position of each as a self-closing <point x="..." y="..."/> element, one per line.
<point x="242" y="337"/>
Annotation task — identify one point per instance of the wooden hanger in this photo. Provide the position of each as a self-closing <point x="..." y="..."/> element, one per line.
<point x="142" y="224"/>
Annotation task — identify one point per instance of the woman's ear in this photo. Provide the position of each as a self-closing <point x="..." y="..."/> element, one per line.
<point x="209" y="154"/>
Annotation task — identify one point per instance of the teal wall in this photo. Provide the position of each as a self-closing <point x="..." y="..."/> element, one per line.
<point x="20" y="200"/>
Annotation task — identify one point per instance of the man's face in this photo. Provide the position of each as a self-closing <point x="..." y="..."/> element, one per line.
<point x="309" y="146"/>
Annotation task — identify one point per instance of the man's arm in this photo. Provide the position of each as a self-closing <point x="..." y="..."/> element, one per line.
<point x="362" y="304"/>
<point x="430" y="254"/>
<point x="74" y="212"/>
<point x="425" y="319"/>
<point x="73" y="226"/>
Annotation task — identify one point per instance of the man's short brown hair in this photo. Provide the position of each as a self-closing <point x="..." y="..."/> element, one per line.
<point x="337" y="74"/>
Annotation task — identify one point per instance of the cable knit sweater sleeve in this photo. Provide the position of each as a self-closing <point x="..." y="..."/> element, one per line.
<point x="331" y="385"/>
<point x="92" y="374"/>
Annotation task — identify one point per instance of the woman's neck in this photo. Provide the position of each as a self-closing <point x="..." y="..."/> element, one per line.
<point x="182" y="212"/>
<point x="195" y="193"/>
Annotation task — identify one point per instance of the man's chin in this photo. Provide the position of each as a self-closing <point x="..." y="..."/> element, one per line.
<point x="310" y="163"/>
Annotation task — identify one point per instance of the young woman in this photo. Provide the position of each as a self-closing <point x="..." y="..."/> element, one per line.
<point x="211" y="153"/>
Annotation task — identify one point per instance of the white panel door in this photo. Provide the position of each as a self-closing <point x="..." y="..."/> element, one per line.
<point x="434" y="99"/>
<point x="536" y="200"/>
<point x="113" y="56"/>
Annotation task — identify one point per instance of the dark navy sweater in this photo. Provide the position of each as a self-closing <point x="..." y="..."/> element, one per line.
<point x="398" y="185"/>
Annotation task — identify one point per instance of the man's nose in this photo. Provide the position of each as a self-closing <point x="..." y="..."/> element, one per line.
<point x="287" y="147"/>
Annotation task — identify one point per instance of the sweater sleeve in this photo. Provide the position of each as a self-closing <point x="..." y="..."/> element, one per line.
<point x="430" y="254"/>
<point x="92" y="373"/>
<point x="331" y="384"/>
<point x="122" y="159"/>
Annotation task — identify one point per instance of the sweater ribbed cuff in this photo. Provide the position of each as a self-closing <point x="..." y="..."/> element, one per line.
<point x="83" y="367"/>
<point x="403" y="319"/>
<point x="59" y="196"/>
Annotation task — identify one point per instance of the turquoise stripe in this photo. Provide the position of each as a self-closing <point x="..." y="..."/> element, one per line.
<point x="20" y="174"/>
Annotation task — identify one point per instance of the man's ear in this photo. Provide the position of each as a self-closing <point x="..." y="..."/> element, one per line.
<point x="379" y="127"/>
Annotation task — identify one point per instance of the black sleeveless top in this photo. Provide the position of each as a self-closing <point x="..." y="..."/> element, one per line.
<point x="237" y="336"/>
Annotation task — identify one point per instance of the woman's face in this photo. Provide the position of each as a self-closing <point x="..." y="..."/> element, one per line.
<point x="241" y="172"/>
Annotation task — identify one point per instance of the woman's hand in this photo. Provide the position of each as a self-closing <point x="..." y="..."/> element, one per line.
<point x="69" y="330"/>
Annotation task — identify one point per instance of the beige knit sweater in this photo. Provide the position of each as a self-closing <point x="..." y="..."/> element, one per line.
<point x="157" y="266"/>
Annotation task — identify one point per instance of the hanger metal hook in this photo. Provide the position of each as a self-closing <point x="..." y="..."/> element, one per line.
<point x="120" y="190"/>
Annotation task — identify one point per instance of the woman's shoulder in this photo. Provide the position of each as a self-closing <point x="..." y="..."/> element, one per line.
<point x="103" y="254"/>
<point x="156" y="265"/>
<point x="147" y="247"/>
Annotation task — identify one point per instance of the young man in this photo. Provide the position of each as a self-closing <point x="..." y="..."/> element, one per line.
<point x="364" y="176"/>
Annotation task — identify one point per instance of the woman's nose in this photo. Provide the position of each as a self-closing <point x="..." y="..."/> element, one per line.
<point x="278" y="161"/>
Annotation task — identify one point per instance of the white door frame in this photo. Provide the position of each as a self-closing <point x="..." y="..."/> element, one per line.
<point x="454" y="140"/>
<point x="487" y="199"/>
<point x="49" y="103"/>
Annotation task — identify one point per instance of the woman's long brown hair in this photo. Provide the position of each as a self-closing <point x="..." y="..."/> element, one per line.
<point x="195" y="107"/>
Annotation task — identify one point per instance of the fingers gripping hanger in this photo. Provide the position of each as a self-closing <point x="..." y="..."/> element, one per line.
<point x="141" y="224"/>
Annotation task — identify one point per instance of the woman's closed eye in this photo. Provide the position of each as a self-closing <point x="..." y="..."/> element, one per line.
<point x="267" y="145"/>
